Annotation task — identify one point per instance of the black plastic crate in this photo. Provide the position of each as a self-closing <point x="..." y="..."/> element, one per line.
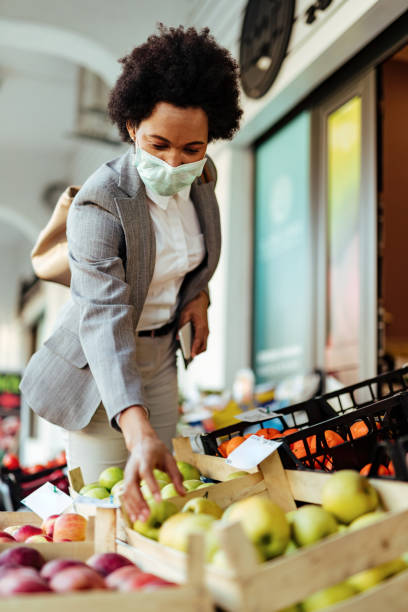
<point x="320" y="409"/>
<point x="386" y="421"/>
<point x="19" y="484"/>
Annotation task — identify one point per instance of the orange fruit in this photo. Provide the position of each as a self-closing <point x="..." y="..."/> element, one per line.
<point x="360" y="429"/>
<point x="382" y="470"/>
<point x="269" y="433"/>
<point x="391" y="469"/>
<point x="233" y="444"/>
<point x="248" y="436"/>
<point x="292" y="430"/>
<point x="222" y="448"/>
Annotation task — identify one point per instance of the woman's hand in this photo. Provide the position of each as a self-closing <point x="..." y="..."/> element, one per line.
<point x="196" y="312"/>
<point x="147" y="452"/>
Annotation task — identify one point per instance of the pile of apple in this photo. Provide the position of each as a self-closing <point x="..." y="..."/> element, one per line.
<point x="68" y="527"/>
<point x="349" y="502"/>
<point x="23" y="570"/>
<point x="111" y="482"/>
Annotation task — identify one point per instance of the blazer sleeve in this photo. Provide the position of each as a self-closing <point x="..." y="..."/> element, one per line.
<point x="98" y="287"/>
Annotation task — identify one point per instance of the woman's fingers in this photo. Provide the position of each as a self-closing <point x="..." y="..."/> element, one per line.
<point x="151" y="481"/>
<point x="135" y="503"/>
<point x="173" y="472"/>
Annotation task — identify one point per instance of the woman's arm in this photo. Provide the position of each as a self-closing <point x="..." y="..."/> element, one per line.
<point x="147" y="452"/>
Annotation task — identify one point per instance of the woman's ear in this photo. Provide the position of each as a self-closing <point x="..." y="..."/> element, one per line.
<point x="131" y="129"/>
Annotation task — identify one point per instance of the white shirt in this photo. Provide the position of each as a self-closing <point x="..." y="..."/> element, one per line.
<point x="179" y="249"/>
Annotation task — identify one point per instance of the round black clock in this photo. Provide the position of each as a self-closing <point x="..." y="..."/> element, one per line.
<point x="264" y="41"/>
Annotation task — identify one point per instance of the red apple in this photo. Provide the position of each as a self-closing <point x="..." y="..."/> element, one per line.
<point x="114" y="580"/>
<point x="106" y="563"/>
<point x="39" y="537"/>
<point x="22" y="555"/>
<point x="71" y="527"/>
<point x="25" y="532"/>
<point x="11" y="529"/>
<point x="4" y="569"/>
<point x="142" y="581"/>
<point x="55" y="566"/>
<point x="48" y="525"/>
<point x="76" y="579"/>
<point x="6" y="537"/>
<point x="22" y="580"/>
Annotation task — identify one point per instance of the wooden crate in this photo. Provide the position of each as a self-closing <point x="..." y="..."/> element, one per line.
<point x="273" y="585"/>
<point x="189" y="597"/>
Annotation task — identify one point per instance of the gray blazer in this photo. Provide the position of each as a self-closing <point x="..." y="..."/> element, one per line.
<point x="91" y="355"/>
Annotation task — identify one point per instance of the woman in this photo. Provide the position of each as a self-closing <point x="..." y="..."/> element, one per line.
<point x="144" y="240"/>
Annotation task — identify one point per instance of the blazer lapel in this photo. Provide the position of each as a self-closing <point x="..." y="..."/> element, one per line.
<point x="205" y="203"/>
<point x="139" y="234"/>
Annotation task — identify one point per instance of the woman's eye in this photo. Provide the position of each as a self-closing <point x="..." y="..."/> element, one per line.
<point x="190" y="151"/>
<point x="160" y="147"/>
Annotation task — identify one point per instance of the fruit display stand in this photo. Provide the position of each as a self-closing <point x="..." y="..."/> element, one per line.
<point x="273" y="585"/>
<point x="189" y="597"/>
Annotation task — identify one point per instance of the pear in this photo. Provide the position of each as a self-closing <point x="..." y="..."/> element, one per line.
<point x="328" y="597"/>
<point x="348" y="495"/>
<point x="312" y="523"/>
<point x="264" y="523"/>
<point x="201" y="505"/>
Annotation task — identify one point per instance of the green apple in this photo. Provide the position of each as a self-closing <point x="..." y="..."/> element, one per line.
<point x="88" y="487"/>
<point x="206" y="484"/>
<point x="328" y="597"/>
<point x="291" y="547"/>
<point x="220" y="560"/>
<point x="159" y="475"/>
<point x="312" y="523"/>
<point x="169" y="491"/>
<point x="347" y="494"/>
<point x="109" y="477"/>
<point x="146" y="492"/>
<point x="367" y="519"/>
<point x="264" y="523"/>
<point x="175" y="531"/>
<point x="98" y="493"/>
<point x="159" y="513"/>
<point x="191" y="485"/>
<point x="188" y="471"/>
<point x="201" y="505"/>
<point x="118" y="488"/>
<point x="236" y="475"/>
<point x="369" y="578"/>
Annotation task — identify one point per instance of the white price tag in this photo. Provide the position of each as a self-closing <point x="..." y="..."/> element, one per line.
<point x="251" y="452"/>
<point x="100" y="503"/>
<point x="46" y="500"/>
<point x="258" y="414"/>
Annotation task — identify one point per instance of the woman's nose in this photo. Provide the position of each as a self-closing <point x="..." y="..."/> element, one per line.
<point x="173" y="158"/>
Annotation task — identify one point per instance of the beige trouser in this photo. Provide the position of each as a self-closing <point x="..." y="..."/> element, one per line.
<point x="98" y="445"/>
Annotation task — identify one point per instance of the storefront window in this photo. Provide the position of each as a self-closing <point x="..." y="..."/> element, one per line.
<point x="343" y="269"/>
<point x="282" y="254"/>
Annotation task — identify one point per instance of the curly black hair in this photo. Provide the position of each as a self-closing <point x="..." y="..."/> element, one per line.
<point x="185" y="68"/>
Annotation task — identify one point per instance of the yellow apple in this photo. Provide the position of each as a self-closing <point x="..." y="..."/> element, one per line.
<point x="328" y="597"/>
<point x="191" y="485"/>
<point x="159" y="513"/>
<point x="236" y="475"/>
<point x="188" y="471"/>
<point x="175" y="531"/>
<point x="367" y="519"/>
<point x="201" y="505"/>
<point x="347" y="494"/>
<point x="110" y="476"/>
<point x="169" y="490"/>
<point x="312" y="523"/>
<point x="264" y="523"/>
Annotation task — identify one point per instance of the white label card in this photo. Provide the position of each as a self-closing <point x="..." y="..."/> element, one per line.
<point x="252" y="452"/>
<point x="107" y="502"/>
<point x="46" y="500"/>
<point x="258" y="414"/>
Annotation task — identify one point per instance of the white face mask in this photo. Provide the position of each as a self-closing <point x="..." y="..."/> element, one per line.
<point x="162" y="178"/>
